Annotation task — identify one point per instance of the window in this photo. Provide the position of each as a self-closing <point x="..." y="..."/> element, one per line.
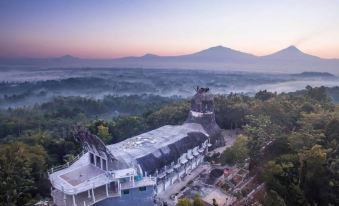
<point x="142" y="189"/>
<point x="98" y="162"/>
<point x="91" y="158"/>
<point x="104" y="164"/>
<point x="125" y="192"/>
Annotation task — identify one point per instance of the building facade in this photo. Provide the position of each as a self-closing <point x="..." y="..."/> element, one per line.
<point x="133" y="171"/>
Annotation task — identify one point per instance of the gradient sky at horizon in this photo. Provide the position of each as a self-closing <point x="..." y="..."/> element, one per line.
<point x="116" y="28"/>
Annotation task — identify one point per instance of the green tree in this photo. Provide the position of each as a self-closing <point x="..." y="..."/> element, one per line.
<point x="103" y="133"/>
<point x="197" y="201"/>
<point x="264" y="95"/>
<point x="282" y="176"/>
<point x="262" y="132"/>
<point x="305" y="139"/>
<point x="171" y="114"/>
<point x="317" y="93"/>
<point x="237" y="153"/>
<point x="184" y="202"/>
<point x="231" y="110"/>
<point x="273" y="199"/>
<point x="126" y="127"/>
<point x="332" y="130"/>
<point x="315" y="180"/>
<point x="22" y="173"/>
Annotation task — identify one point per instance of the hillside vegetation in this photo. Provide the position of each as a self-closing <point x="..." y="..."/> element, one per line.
<point x="299" y="132"/>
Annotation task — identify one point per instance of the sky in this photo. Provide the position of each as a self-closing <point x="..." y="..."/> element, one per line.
<point x="117" y="28"/>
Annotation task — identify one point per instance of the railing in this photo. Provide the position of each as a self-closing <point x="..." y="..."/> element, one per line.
<point x="84" y="198"/>
<point x="99" y="181"/>
<point x="145" y="181"/>
<point x="66" y="165"/>
<point x="84" y="186"/>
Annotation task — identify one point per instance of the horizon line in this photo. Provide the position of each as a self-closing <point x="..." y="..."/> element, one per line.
<point x="68" y="55"/>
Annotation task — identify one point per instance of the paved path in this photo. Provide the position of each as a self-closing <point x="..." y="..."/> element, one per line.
<point x="175" y="188"/>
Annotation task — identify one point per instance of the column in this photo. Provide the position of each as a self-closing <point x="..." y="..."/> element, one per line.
<point x="119" y="187"/>
<point x="63" y="192"/>
<point x="93" y="196"/>
<point x="73" y="200"/>
<point x="133" y="180"/>
<point x="106" y="190"/>
<point x="95" y="159"/>
<point x="130" y="180"/>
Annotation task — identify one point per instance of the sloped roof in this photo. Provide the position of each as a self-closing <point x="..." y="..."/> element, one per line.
<point x="159" y="147"/>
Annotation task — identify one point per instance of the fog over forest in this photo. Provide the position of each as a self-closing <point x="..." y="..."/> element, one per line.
<point x="25" y="87"/>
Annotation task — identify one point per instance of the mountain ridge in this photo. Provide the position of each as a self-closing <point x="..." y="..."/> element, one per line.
<point x="213" y="48"/>
<point x="290" y="59"/>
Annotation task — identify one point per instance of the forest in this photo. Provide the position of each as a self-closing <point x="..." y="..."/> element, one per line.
<point x="299" y="132"/>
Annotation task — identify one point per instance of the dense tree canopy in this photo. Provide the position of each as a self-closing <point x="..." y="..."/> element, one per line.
<point x="291" y="140"/>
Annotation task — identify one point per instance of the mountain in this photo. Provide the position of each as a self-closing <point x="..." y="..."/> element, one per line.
<point x="290" y="59"/>
<point x="291" y="53"/>
<point x="67" y="57"/>
<point x="222" y="54"/>
<point x="315" y="75"/>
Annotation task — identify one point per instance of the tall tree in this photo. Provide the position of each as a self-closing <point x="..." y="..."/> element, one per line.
<point x="22" y="171"/>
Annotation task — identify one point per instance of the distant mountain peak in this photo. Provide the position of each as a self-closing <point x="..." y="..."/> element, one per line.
<point x="218" y="48"/>
<point x="292" y="48"/>
<point x="67" y="56"/>
<point x="291" y="53"/>
<point x="150" y="55"/>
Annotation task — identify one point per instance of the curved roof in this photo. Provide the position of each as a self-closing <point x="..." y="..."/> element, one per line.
<point x="155" y="149"/>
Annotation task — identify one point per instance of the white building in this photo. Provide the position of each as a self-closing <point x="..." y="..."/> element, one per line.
<point x="133" y="171"/>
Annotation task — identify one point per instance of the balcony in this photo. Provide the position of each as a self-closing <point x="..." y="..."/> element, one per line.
<point x="84" y="198"/>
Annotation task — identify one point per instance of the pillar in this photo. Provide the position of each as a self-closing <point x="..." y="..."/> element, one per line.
<point x="106" y="190"/>
<point x="74" y="200"/>
<point x="93" y="194"/>
<point x="119" y="187"/>
<point x="133" y="180"/>
<point x="63" y="192"/>
<point x="95" y="159"/>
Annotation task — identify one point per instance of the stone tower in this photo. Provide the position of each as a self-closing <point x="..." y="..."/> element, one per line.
<point x="202" y="112"/>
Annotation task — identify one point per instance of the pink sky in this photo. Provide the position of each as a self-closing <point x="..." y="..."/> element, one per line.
<point x="109" y="29"/>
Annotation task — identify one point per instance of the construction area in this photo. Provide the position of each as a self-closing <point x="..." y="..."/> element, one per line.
<point x="216" y="184"/>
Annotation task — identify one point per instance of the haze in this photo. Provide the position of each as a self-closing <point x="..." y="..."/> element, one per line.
<point x="111" y="29"/>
